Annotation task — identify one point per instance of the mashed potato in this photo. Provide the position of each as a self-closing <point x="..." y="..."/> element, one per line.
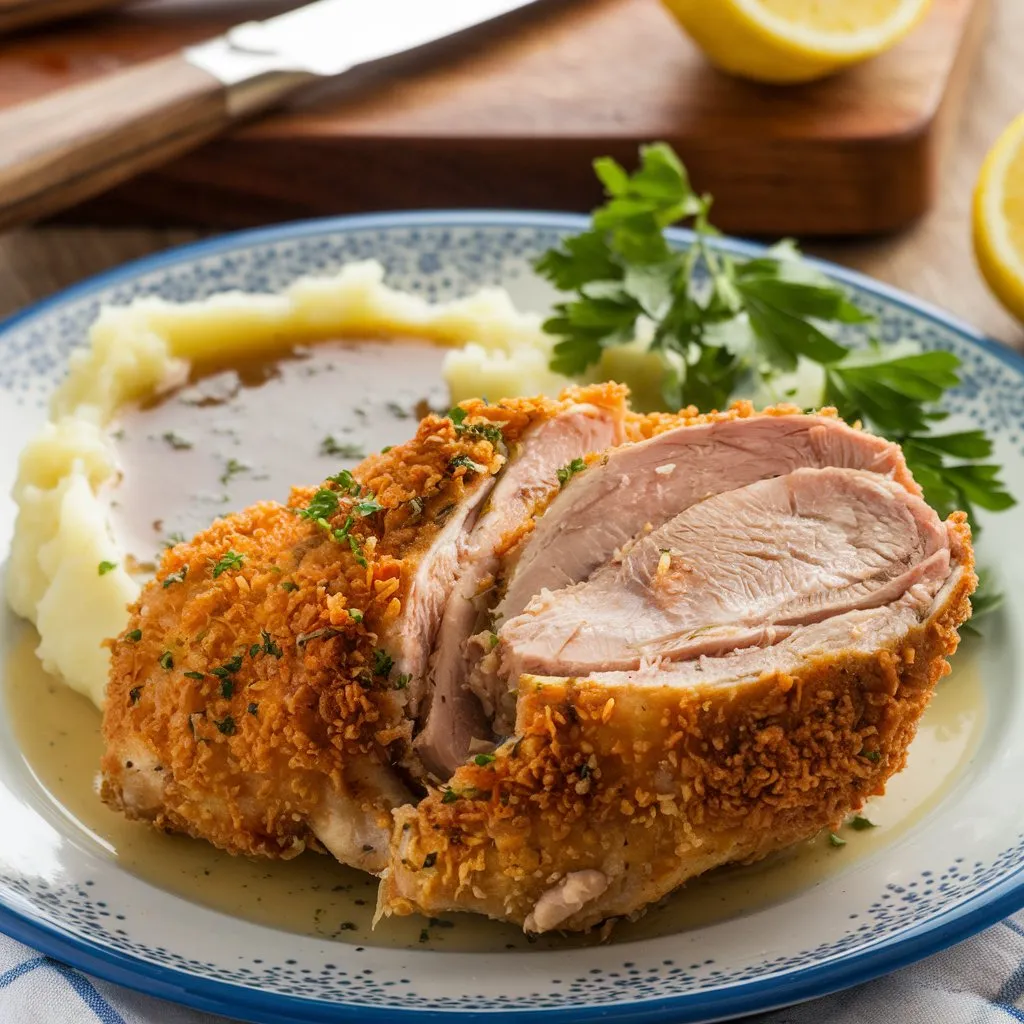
<point x="63" y="532"/>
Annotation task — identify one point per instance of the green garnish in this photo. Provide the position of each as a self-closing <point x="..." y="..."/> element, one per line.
<point x="861" y="824"/>
<point x="176" y="577"/>
<point x="449" y="796"/>
<point x="229" y="560"/>
<point x="289" y="586"/>
<point x="269" y="645"/>
<point x="134" y="636"/>
<point x="253" y="708"/>
<point x="386" y="449"/>
<point x="105" y="567"/>
<point x="317" y="634"/>
<point x="464" y="461"/>
<point x="323" y="505"/>
<point x="491" y="432"/>
<point x="382" y="663"/>
<point x="233" y="468"/>
<point x="227" y="687"/>
<point x="133" y="694"/>
<point x="402" y="681"/>
<point x="346" y="481"/>
<point x="367" y="507"/>
<point x="176" y="441"/>
<point x="725" y="325"/>
<point x="430" y="860"/>
<point x="834" y="840"/>
<point x="355" y="615"/>
<point x="482" y="760"/>
<point x="166" y="661"/>
<point x="226" y="726"/>
<point x="566" y="473"/>
<point x="229" y="668"/>
<point x="195" y="675"/>
<point x="340" y="449"/>
<point x="874" y="756"/>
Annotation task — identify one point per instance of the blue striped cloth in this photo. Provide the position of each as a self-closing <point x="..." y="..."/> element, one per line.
<point x="980" y="981"/>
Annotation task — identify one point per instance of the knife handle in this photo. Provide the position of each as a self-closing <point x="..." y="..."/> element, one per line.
<point x="78" y="142"/>
<point x="19" y="13"/>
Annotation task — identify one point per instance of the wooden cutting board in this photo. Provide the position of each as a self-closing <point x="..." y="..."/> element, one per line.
<point x="512" y="114"/>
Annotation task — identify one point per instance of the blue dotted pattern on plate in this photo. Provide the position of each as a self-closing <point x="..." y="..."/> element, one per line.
<point x="440" y="263"/>
<point x="899" y="908"/>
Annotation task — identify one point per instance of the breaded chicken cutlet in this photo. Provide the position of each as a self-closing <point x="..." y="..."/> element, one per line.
<point x="547" y="660"/>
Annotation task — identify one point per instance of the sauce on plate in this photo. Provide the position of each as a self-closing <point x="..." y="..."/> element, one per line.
<point x="233" y="435"/>
<point x="58" y="732"/>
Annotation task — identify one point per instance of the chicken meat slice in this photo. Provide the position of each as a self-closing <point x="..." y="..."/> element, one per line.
<point x="264" y="693"/>
<point x="456" y="717"/>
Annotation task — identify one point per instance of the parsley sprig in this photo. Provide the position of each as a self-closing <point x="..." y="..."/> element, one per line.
<point x="725" y="325"/>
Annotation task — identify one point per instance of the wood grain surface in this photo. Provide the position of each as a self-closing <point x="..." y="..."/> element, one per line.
<point x="75" y="143"/>
<point x="517" y="110"/>
<point x="20" y="13"/>
<point x="932" y="260"/>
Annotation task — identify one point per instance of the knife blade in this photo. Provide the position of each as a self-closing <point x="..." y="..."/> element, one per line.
<point x="77" y="142"/>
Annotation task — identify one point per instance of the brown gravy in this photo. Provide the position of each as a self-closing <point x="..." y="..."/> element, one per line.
<point x="233" y="435"/>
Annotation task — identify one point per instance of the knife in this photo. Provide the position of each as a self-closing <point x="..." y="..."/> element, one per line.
<point x="77" y="142"/>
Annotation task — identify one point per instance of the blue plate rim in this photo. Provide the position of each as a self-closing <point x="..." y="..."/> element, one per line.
<point x="984" y="909"/>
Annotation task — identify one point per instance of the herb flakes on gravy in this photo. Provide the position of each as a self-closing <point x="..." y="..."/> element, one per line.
<point x="176" y="413"/>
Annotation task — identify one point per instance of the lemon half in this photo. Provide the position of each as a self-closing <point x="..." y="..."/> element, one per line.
<point x="999" y="219"/>
<point x="787" y="41"/>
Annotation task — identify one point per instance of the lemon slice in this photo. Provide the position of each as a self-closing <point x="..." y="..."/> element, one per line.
<point x="999" y="219"/>
<point x="794" y="40"/>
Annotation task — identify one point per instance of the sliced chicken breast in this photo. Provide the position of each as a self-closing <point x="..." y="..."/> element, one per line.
<point x="456" y="716"/>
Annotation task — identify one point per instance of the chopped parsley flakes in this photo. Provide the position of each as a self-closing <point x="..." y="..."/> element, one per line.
<point x="465" y="462"/>
<point x="105" y="567"/>
<point x="226" y="726"/>
<point x="482" y="760"/>
<point x="167" y="661"/>
<point x="176" y="577"/>
<point x="834" y="840"/>
<point x="134" y="636"/>
<point x="567" y="472"/>
<point x="229" y="560"/>
<point x="340" y="449"/>
<point x="229" y="668"/>
<point x="382" y="663"/>
<point x="176" y="441"/>
<point x="233" y="468"/>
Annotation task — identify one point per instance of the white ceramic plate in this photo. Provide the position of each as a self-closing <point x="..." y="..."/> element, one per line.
<point x="936" y="878"/>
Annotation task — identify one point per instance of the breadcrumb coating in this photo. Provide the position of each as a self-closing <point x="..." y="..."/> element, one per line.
<point x="251" y="682"/>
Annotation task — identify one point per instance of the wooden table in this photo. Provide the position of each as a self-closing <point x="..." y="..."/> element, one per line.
<point x="933" y="260"/>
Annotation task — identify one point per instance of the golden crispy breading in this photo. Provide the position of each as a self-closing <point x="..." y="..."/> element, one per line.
<point x="249" y="683"/>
